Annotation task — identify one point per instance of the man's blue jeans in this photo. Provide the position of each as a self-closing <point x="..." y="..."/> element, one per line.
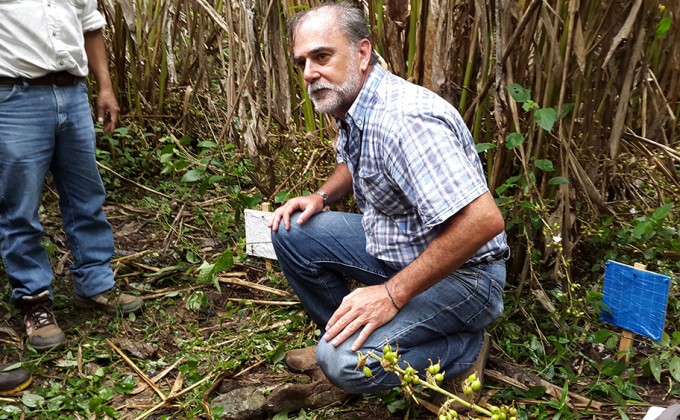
<point x="445" y="322"/>
<point x="50" y="128"/>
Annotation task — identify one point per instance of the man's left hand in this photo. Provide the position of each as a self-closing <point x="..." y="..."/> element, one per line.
<point x="107" y="110"/>
<point x="368" y="307"/>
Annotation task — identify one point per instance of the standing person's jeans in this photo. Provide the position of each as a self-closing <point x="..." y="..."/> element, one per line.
<point x="446" y="321"/>
<point x="50" y="128"/>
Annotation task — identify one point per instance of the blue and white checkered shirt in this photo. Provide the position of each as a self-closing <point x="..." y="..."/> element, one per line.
<point x="413" y="164"/>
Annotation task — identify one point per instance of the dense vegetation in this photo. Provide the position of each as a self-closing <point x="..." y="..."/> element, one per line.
<point x="574" y="107"/>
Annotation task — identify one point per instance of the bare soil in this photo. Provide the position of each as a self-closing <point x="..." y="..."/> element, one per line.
<point x="144" y="252"/>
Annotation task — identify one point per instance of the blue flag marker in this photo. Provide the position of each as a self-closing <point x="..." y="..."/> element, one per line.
<point x="636" y="299"/>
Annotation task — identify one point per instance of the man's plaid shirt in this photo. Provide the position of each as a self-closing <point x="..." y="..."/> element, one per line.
<point x="413" y="164"/>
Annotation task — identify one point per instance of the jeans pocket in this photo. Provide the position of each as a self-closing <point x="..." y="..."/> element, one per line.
<point x="6" y="92"/>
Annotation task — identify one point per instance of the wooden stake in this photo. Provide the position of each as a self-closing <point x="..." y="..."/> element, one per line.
<point x="627" y="337"/>
<point x="267" y="207"/>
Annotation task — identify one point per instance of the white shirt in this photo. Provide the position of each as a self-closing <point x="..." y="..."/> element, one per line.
<point x="44" y="36"/>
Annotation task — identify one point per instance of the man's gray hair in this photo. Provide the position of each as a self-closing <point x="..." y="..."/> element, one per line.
<point x="350" y="18"/>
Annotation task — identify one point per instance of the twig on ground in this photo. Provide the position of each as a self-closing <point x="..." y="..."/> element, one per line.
<point x="136" y="369"/>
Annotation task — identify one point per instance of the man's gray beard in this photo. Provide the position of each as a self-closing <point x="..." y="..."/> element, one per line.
<point x="337" y="97"/>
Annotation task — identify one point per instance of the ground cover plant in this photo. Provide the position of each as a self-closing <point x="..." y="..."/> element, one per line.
<point x="574" y="108"/>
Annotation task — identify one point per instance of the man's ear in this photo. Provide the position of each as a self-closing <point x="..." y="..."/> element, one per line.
<point x="365" y="49"/>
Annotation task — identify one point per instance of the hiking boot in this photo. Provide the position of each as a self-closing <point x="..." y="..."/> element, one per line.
<point x="302" y="360"/>
<point x="13" y="379"/>
<point x="454" y="384"/>
<point x="42" y="331"/>
<point x="112" y="301"/>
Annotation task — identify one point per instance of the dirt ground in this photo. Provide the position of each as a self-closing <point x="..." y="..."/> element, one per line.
<point x="147" y="262"/>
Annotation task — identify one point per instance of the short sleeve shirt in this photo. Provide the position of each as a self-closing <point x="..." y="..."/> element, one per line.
<point x="44" y="36"/>
<point x="413" y="164"/>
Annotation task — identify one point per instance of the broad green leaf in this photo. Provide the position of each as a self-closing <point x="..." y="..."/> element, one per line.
<point x="207" y="144"/>
<point x="518" y="92"/>
<point x="282" y="196"/>
<point x="513" y="140"/>
<point x="674" y="367"/>
<point x="224" y="262"/>
<point x="545" y="117"/>
<point x="483" y="147"/>
<point x="32" y="400"/>
<point x="558" y="180"/>
<point x="193" y="175"/>
<point x="544" y="165"/>
<point x="655" y="368"/>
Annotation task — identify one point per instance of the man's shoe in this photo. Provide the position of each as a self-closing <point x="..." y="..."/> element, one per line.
<point x="13" y="380"/>
<point x="41" y="326"/>
<point x="302" y="360"/>
<point x="112" y="301"/>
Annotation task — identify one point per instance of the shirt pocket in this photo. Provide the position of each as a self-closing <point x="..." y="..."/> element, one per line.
<point x="380" y="192"/>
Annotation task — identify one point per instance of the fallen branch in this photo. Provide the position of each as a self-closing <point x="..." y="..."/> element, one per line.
<point x="255" y="286"/>
<point x="136" y="369"/>
<point x="516" y="376"/>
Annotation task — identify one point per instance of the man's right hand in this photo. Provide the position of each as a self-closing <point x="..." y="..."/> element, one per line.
<point x="309" y="204"/>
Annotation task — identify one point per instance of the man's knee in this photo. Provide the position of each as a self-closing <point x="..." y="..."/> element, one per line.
<point x="340" y="365"/>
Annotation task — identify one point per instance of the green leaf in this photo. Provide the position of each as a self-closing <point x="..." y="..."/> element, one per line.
<point x="558" y="180"/>
<point x="655" y="367"/>
<point x="483" y="147"/>
<point x="193" y="175"/>
<point x="207" y="144"/>
<point x="544" y="164"/>
<point x="662" y="212"/>
<point x="600" y="336"/>
<point x="32" y="400"/>
<point x="529" y="105"/>
<point x="513" y="140"/>
<point x="282" y="196"/>
<point x="518" y="92"/>
<point x="545" y="117"/>
<point x="224" y="262"/>
<point x="674" y="367"/>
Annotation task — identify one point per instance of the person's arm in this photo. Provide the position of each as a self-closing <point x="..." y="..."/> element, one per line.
<point x="461" y="237"/>
<point x="337" y="186"/>
<point x="107" y="106"/>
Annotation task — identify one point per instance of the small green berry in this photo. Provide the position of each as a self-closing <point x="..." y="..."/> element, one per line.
<point x="475" y="385"/>
<point x="439" y="377"/>
<point x="367" y="372"/>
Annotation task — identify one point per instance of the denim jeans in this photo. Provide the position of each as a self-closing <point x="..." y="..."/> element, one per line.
<point x="50" y="128"/>
<point x="445" y="322"/>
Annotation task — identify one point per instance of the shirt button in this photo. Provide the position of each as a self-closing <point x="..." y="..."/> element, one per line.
<point x="61" y="62"/>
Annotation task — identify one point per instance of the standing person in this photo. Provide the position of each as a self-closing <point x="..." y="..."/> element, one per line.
<point x="429" y="246"/>
<point x="46" y="124"/>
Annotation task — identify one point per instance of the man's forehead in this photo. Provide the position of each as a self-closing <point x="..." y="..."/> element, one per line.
<point x="318" y="29"/>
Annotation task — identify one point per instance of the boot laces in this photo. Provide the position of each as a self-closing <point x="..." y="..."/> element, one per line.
<point x="41" y="316"/>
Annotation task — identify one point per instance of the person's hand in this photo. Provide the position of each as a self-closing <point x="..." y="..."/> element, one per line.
<point x="309" y="204"/>
<point x="368" y="307"/>
<point x="107" y="110"/>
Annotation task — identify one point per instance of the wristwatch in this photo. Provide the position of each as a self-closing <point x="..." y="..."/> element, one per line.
<point x="324" y="196"/>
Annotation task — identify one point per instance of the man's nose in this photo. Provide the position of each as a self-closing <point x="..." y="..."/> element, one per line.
<point x="310" y="72"/>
